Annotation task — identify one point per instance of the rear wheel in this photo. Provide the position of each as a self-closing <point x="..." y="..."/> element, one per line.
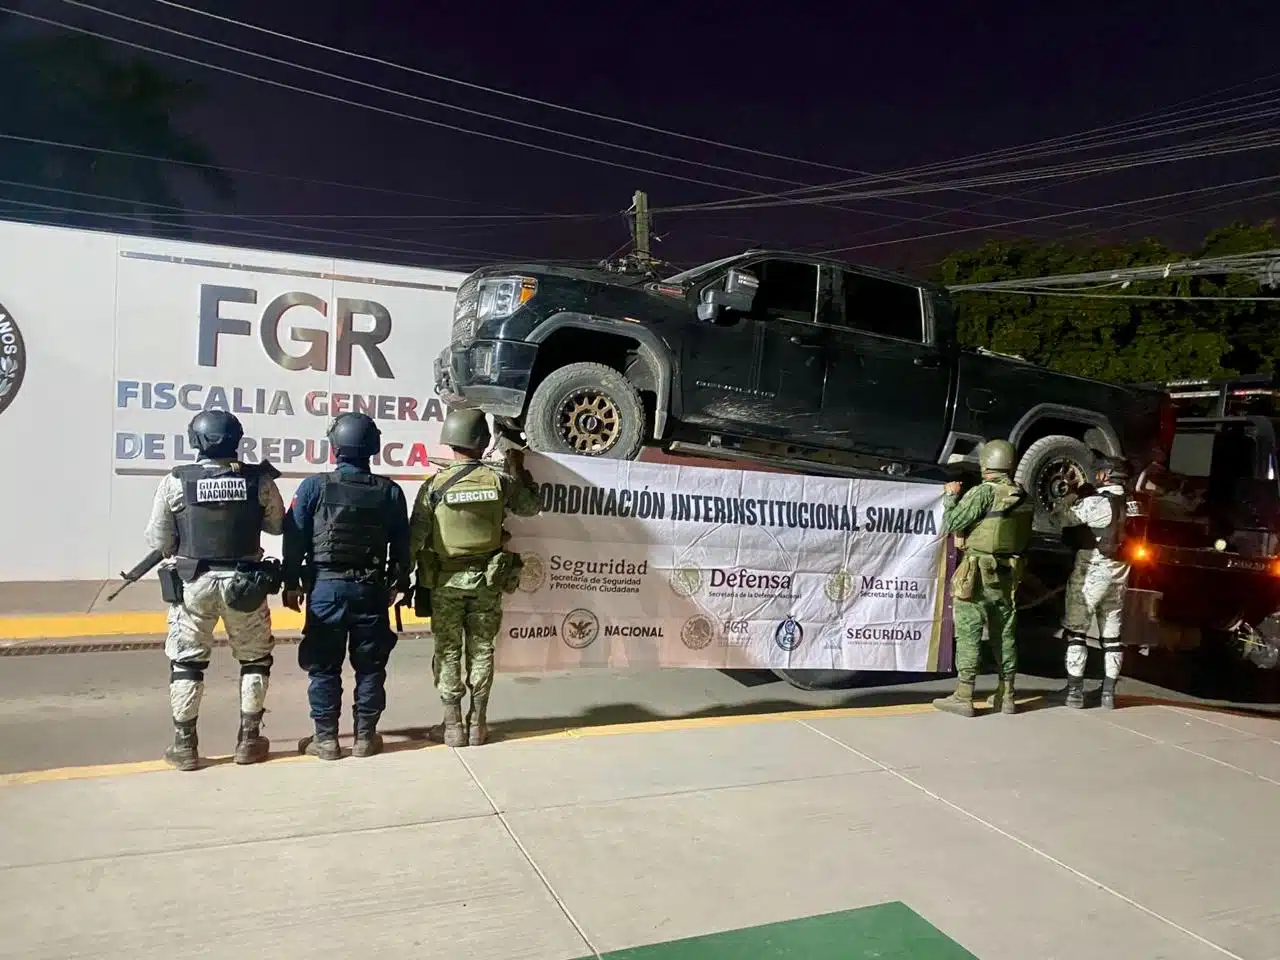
<point x="1048" y="470"/>
<point x="589" y="410"/>
<point x="820" y="679"/>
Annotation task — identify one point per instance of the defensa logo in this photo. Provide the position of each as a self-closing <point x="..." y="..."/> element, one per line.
<point x="580" y="629"/>
<point x="13" y="359"/>
<point x="728" y="584"/>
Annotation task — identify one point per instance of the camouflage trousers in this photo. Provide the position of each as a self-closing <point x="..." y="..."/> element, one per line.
<point x="996" y="610"/>
<point x="464" y="620"/>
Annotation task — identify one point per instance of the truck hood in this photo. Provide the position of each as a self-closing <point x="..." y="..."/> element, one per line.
<point x="582" y="274"/>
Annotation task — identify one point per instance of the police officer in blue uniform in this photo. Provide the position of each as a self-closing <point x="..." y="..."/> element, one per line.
<point x="346" y="547"/>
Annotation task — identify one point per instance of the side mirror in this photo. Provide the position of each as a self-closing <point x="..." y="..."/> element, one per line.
<point x="737" y="294"/>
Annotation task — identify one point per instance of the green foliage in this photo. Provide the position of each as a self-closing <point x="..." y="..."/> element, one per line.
<point x="1122" y="340"/>
<point x="78" y="89"/>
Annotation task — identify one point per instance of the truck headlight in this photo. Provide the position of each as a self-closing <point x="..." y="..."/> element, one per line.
<point x="500" y="297"/>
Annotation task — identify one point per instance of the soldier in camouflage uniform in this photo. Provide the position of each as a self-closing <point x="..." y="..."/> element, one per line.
<point x="457" y="538"/>
<point x="993" y="524"/>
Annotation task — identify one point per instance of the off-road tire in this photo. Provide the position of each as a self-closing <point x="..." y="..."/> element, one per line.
<point x="1035" y="472"/>
<point x="542" y="420"/>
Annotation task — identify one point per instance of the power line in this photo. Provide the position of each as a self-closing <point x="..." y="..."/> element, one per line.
<point x="1119" y="296"/>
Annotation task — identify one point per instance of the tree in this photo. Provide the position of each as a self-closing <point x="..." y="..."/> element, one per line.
<point x="75" y="89"/>
<point x="1124" y="340"/>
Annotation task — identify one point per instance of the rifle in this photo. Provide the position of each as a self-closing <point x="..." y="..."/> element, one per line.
<point x="140" y="570"/>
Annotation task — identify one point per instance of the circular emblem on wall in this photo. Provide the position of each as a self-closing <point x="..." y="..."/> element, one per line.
<point x="534" y="574"/>
<point x="686" y="581"/>
<point x="13" y="359"/>
<point x="580" y="628"/>
<point x="788" y="634"/>
<point x="839" y="586"/>
<point x="698" y="632"/>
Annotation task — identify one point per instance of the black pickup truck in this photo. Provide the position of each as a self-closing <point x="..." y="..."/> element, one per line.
<point x="781" y="358"/>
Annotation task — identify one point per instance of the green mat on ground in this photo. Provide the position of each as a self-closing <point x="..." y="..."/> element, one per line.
<point x="889" y="931"/>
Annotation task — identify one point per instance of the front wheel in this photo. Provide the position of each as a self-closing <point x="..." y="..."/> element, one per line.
<point x="589" y="410"/>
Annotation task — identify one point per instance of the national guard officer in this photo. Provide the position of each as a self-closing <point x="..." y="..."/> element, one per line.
<point x="458" y="542"/>
<point x="350" y="530"/>
<point x="1093" y="520"/>
<point x="994" y="520"/>
<point x="208" y="518"/>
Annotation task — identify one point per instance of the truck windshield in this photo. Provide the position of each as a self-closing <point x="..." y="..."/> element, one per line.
<point x="693" y="273"/>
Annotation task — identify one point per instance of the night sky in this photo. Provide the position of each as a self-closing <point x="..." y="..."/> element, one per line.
<point x="864" y="87"/>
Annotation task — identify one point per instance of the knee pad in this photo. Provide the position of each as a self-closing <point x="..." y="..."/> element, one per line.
<point x="1075" y="639"/>
<point x="261" y="666"/>
<point x="1110" y="645"/>
<point x="192" y="670"/>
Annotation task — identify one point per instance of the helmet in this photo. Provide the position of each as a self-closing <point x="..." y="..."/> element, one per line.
<point x="465" y="430"/>
<point x="354" y="436"/>
<point x="215" y="433"/>
<point x="997" y="455"/>
<point x="1116" y="468"/>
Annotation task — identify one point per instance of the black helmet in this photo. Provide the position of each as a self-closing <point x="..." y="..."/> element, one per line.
<point x="1116" y="468"/>
<point x="465" y="430"/>
<point x="355" y="436"/>
<point x="215" y="433"/>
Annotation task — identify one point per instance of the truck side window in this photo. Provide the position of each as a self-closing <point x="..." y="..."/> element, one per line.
<point x="788" y="290"/>
<point x="881" y="306"/>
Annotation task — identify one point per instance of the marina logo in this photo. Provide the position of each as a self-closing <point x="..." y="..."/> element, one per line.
<point x="580" y="629"/>
<point x="13" y="359"/>
<point x="839" y="586"/>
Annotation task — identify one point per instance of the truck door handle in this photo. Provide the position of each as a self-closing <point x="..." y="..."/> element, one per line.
<point x="925" y="362"/>
<point x="800" y="342"/>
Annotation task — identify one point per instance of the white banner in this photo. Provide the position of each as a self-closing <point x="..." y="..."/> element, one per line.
<point x="635" y="564"/>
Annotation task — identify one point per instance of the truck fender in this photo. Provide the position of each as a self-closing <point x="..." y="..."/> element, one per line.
<point x="653" y="351"/>
<point x="1057" y="411"/>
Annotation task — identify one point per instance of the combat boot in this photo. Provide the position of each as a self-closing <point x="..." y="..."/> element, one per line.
<point x="1108" y="693"/>
<point x="1075" y="693"/>
<point x="323" y="744"/>
<point x="368" y="739"/>
<point x="477" y="721"/>
<point x="960" y="703"/>
<point x="183" y="753"/>
<point x="455" y="735"/>
<point x="1002" y="699"/>
<point x="251" y="745"/>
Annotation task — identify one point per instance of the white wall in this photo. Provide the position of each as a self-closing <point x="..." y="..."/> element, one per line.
<point x="113" y="329"/>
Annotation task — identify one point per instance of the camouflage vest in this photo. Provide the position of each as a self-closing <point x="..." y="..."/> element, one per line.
<point x="1005" y="529"/>
<point x="468" y="508"/>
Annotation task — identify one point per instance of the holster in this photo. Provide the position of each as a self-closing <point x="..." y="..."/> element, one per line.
<point x="252" y="582"/>
<point x="503" y="571"/>
<point x="989" y="570"/>
<point x="170" y="583"/>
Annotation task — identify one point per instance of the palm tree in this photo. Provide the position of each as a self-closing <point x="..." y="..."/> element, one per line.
<point x="74" y="89"/>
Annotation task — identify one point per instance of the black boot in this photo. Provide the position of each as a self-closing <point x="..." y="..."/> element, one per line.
<point x="183" y="754"/>
<point x="1108" y="693"/>
<point x="477" y="720"/>
<point x="251" y="745"/>
<point x="1075" y="693"/>
<point x="368" y="740"/>
<point x="324" y="742"/>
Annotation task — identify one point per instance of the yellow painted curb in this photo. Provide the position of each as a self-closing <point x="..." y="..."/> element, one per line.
<point x="138" y="623"/>
<point x="572" y="733"/>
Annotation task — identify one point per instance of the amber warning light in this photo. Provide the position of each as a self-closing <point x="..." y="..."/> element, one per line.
<point x="1139" y="553"/>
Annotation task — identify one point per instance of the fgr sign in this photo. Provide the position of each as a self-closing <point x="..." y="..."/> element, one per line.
<point x="345" y="341"/>
<point x="13" y="359"/>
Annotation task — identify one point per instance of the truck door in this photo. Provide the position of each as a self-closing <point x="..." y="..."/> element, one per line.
<point x="887" y="377"/>
<point x="765" y="370"/>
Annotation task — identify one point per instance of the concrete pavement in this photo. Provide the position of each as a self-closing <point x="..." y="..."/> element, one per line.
<point x="1145" y="833"/>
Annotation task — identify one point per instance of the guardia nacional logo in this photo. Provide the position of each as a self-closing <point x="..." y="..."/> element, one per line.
<point x="13" y="359"/>
<point x="580" y="629"/>
<point x="686" y="581"/>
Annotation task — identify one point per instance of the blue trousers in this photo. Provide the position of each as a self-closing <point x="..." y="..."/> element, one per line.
<point x="342" y="616"/>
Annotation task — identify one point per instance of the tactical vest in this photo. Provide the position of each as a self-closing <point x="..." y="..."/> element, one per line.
<point x="1106" y="540"/>
<point x="221" y="519"/>
<point x="468" y="511"/>
<point x="349" y="530"/>
<point x="1005" y="529"/>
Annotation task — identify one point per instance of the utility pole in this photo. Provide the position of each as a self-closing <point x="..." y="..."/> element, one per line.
<point x="640" y="211"/>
